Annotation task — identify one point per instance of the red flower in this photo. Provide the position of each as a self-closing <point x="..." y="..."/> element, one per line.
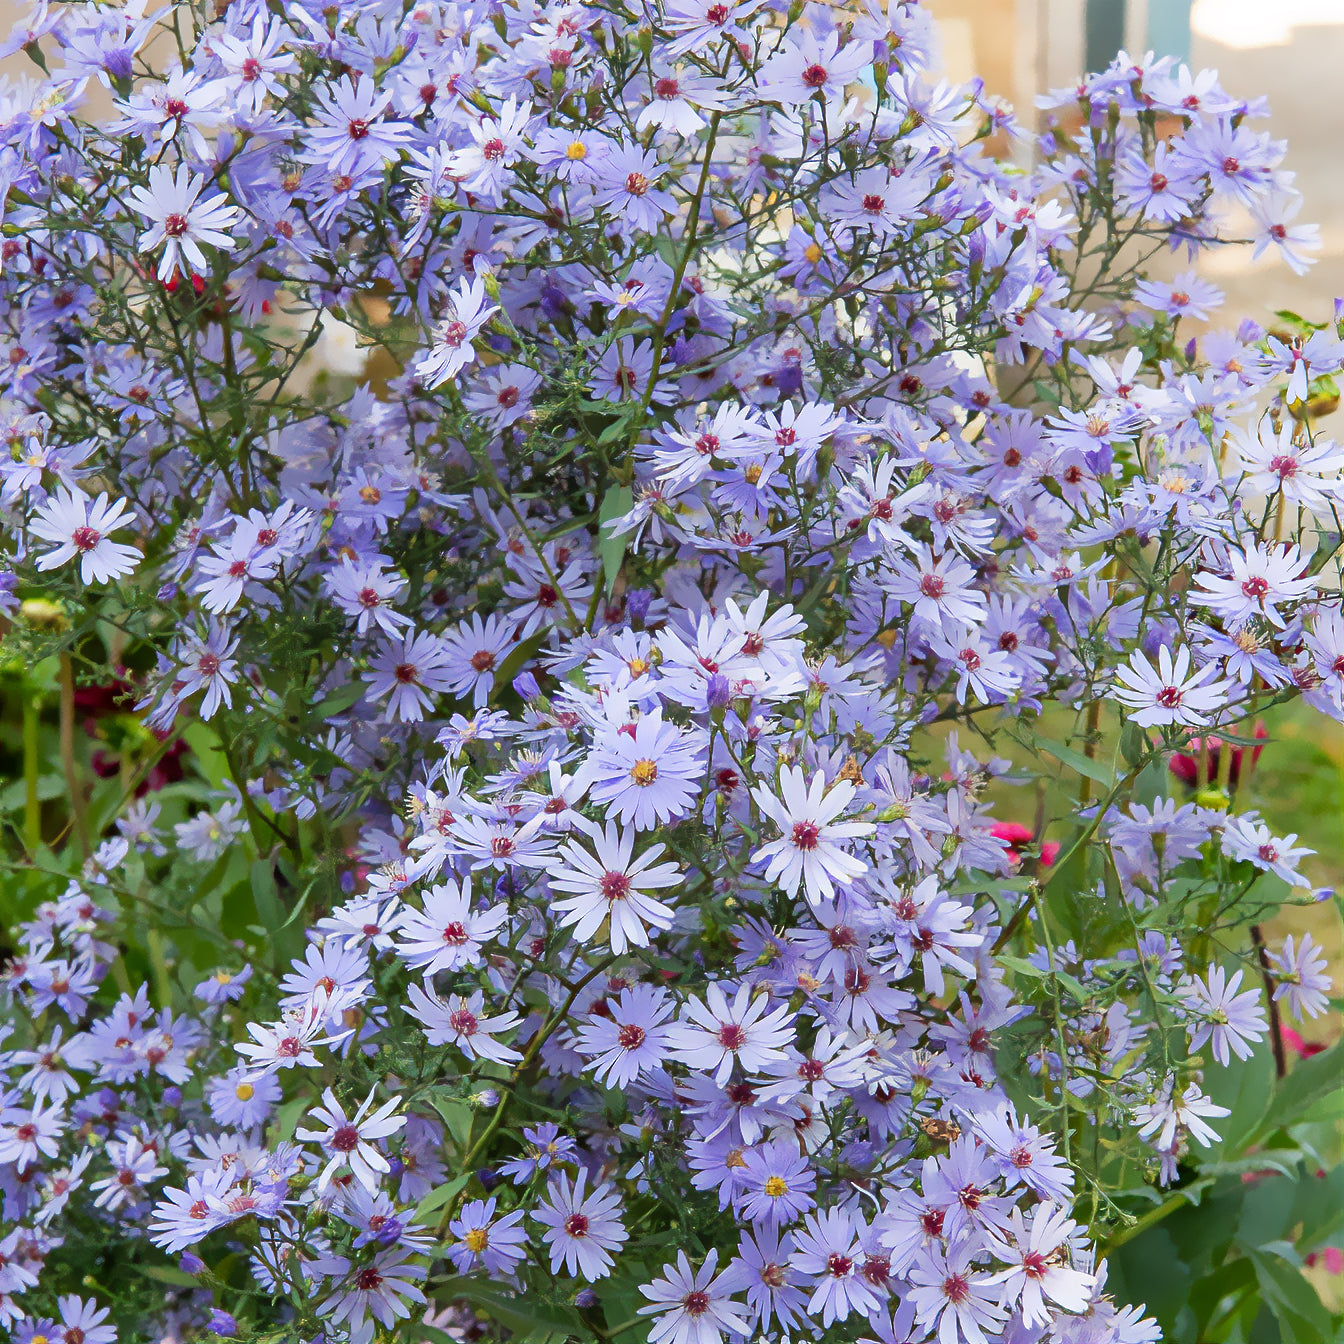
<point x="1019" y="838"/>
<point x="1186" y="768"/>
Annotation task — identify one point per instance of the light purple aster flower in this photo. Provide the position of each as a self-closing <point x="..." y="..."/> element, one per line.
<point x="481" y="1239"/>
<point x="182" y="219"/>
<point x="583" y="1227"/>
<point x="646" y="773"/>
<point x="80" y="527"/>
<point x="692" y="1306"/>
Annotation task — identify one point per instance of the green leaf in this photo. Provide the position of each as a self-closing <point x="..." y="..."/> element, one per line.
<point x="1296" y="1305"/>
<point x="440" y="1196"/>
<point x="168" y="1274"/>
<point x="615" y="504"/>
<point x="1312" y="1082"/>
<point x="533" y="1320"/>
<point x="1077" y="762"/>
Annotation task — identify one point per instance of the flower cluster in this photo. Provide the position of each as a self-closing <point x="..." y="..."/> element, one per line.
<point x="574" y="910"/>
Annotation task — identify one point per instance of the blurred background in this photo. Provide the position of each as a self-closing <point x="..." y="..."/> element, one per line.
<point x="1290" y="51"/>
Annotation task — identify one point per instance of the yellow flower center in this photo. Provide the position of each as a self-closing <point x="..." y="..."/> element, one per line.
<point x="244" y="1091"/>
<point x="776" y="1186"/>
<point x="477" y="1239"/>
<point x="812" y="252"/>
<point x="577" y="150"/>
<point x="644" y="772"/>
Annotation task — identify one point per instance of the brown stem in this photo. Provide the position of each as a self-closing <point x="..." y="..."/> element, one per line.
<point x="1275" y="1022"/>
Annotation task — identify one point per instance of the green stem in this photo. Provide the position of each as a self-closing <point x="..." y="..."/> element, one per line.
<point x="32" y="806"/>
<point x="78" y="808"/>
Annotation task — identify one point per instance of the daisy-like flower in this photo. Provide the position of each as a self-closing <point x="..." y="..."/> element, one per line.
<point x="829" y="1250"/>
<point x="763" y="1270"/>
<point x="645" y="774"/>
<point x="777" y="1184"/>
<point x="469" y="309"/>
<point x="809" y="63"/>
<point x="1231" y="1020"/>
<point x="1307" y="473"/>
<point x="1300" y="973"/>
<point x="364" y="589"/>
<point x="716" y="1033"/>
<point x="583" y="1226"/>
<point x="1257" y="580"/>
<point x="1169" y="1115"/>
<point x="27" y="1134"/>
<point x="950" y="1295"/>
<point x="474" y="652"/>
<point x="631" y="1037"/>
<point x="480" y="1239"/>
<point x="79" y="527"/>
<point x="886" y="203"/>
<point x="1038" y="1266"/>
<point x="378" y="1290"/>
<point x="1169" y="693"/>
<point x="208" y="665"/>
<point x="462" y="1022"/>
<point x="938" y="588"/>
<point x="693" y="1306"/>
<point x="410" y="672"/>
<point x="809" y="852"/>
<point x="352" y="1140"/>
<point x="611" y="888"/>
<point x="181" y="218"/>
<point x="447" y="934"/>
<point x="1247" y="837"/>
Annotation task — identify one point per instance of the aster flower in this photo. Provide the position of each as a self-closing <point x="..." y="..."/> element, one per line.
<point x="208" y="665"/>
<point x="631" y="1037"/>
<point x="583" y="1226"/>
<point x="811" y="62"/>
<point x="828" y="1249"/>
<point x="611" y="888"/>
<point x="461" y="1021"/>
<point x="80" y="527"/>
<point x="380" y="1289"/>
<point x="1169" y="693"/>
<point x="408" y="673"/>
<point x="1302" y="983"/>
<point x="469" y="310"/>
<point x="938" y="588"/>
<point x="777" y="1185"/>
<point x="480" y="1239"/>
<point x="715" y="1033"/>
<point x="692" y="1306"/>
<point x="627" y="188"/>
<point x="809" y="852"/>
<point x="1256" y="580"/>
<point x="353" y="1141"/>
<point x="1248" y="838"/>
<point x="647" y="775"/>
<point x="349" y="135"/>
<point x="1230" y="1020"/>
<point x="364" y="590"/>
<point x="948" y="1293"/>
<point x="447" y="934"/>
<point x="182" y="219"/>
<point x="763" y="1269"/>
<point x="1038" y="1266"/>
<point x="1169" y="1116"/>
